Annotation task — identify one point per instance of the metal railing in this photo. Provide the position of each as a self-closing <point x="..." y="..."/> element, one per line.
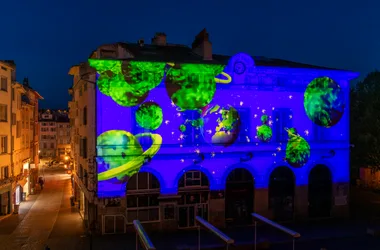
<point x="142" y="236"/>
<point x="229" y="241"/>
<point x="292" y="233"/>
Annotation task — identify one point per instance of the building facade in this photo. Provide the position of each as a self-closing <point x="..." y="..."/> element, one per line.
<point x="55" y="135"/>
<point x="19" y="109"/>
<point x="165" y="132"/>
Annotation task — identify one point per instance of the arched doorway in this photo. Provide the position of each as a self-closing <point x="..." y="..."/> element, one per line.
<point x="281" y="193"/>
<point x="193" y="187"/>
<point x="143" y="190"/>
<point x="320" y="192"/>
<point x="239" y="197"/>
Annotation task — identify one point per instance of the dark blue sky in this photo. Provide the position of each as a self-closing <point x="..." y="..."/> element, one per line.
<point x="46" y="37"/>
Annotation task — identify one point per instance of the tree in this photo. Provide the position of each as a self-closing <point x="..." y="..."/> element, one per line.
<point x="365" y="122"/>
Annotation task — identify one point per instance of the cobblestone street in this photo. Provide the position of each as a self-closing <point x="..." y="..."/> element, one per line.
<point x="45" y="218"/>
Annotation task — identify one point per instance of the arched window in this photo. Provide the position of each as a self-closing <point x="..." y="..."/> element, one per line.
<point x="143" y="190"/>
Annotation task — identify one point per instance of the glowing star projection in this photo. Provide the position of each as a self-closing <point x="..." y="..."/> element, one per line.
<point x="128" y="83"/>
<point x="149" y="115"/>
<point x="264" y="132"/>
<point x="297" y="149"/>
<point x="120" y="153"/>
<point x="324" y="102"/>
<point x="192" y="86"/>
<point x="224" y="122"/>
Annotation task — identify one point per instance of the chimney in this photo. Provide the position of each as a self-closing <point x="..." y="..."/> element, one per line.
<point x="159" y="39"/>
<point x="26" y="81"/>
<point x="202" y="46"/>
<point x="141" y="42"/>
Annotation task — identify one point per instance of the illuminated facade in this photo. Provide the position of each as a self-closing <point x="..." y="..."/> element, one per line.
<point x="182" y="132"/>
<point x="19" y="138"/>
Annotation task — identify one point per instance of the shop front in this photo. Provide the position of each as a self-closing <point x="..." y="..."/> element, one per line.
<point x="5" y="201"/>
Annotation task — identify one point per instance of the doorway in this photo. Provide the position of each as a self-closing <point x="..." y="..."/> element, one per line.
<point x="239" y="197"/>
<point x="320" y="192"/>
<point x="281" y="193"/>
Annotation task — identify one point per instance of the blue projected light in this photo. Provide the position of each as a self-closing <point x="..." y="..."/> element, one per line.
<point x="169" y="118"/>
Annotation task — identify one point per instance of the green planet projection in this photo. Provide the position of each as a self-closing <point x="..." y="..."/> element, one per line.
<point x="221" y="125"/>
<point x="297" y="149"/>
<point x="264" y="132"/>
<point x="149" y="115"/>
<point x="122" y="154"/>
<point x="127" y="82"/>
<point x="324" y="102"/>
<point x="192" y="86"/>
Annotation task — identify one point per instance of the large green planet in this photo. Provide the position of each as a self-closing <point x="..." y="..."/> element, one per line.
<point x="127" y="82"/>
<point x="122" y="154"/>
<point x="324" y="102"/>
<point x="297" y="149"/>
<point x="192" y="86"/>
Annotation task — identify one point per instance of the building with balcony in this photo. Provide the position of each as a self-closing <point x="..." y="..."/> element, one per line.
<point x="19" y="141"/>
<point x="164" y="132"/>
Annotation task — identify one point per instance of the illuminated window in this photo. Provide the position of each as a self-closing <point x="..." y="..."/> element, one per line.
<point x="193" y="179"/>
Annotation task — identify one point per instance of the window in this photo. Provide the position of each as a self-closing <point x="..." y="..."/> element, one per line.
<point x="13" y="119"/>
<point x="192" y="134"/>
<point x="3" y="113"/>
<point x="52" y="129"/>
<point x="4" y="84"/>
<point x="12" y="143"/>
<point x="4" y="172"/>
<point x="143" y="181"/>
<point x="83" y="147"/>
<point x="13" y="94"/>
<point x="85" y="178"/>
<point x="84" y="116"/>
<point x="282" y="118"/>
<point x="245" y="125"/>
<point x="18" y="129"/>
<point x="3" y="144"/>
<point x="45" y="145"/>
<point x="193" y="179"/>
<point x="52" y="145"/>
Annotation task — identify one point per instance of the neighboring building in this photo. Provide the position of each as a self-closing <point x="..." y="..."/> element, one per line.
<point x="63" y="137"/>
<point x="54" y="135"/>
<point x="208" y="153"/>
<point x="19" y="138"/>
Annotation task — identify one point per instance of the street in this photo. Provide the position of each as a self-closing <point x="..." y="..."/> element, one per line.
<point x="45" y="219"/>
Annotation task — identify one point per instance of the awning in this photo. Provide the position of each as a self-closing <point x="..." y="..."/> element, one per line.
<point x="22" y="182"/>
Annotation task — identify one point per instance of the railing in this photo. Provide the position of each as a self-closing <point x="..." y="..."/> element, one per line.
<point x="142" y="237"/>
<point x="214" y="230"/>
<point x="275" y="225"/>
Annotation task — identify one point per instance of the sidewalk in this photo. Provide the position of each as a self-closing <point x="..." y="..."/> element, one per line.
<point x="46" y="220"/>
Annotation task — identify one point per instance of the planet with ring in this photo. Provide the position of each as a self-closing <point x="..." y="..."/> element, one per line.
<point x="121" y="154"/>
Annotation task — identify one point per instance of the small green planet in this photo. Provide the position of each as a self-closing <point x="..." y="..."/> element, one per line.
<point x="121" y="153"/>
<point x="182" y="128"/>
<point x="324" y="102"/>
<point x="149" y="115"/>
<point x="297" y="149"/>
<point x="192" y="86"/>
<point x="264" y="132"/>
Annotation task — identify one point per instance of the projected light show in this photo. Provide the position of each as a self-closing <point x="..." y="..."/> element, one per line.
<point x="167" y="118"/>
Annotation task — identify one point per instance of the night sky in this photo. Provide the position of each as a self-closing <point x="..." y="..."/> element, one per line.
<point x="45" y="38"/>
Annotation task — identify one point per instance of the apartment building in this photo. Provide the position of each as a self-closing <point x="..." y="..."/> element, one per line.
<point x="19" y="141"/>
<point x="54" y="135"/>
<point x="150" y="140"/>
